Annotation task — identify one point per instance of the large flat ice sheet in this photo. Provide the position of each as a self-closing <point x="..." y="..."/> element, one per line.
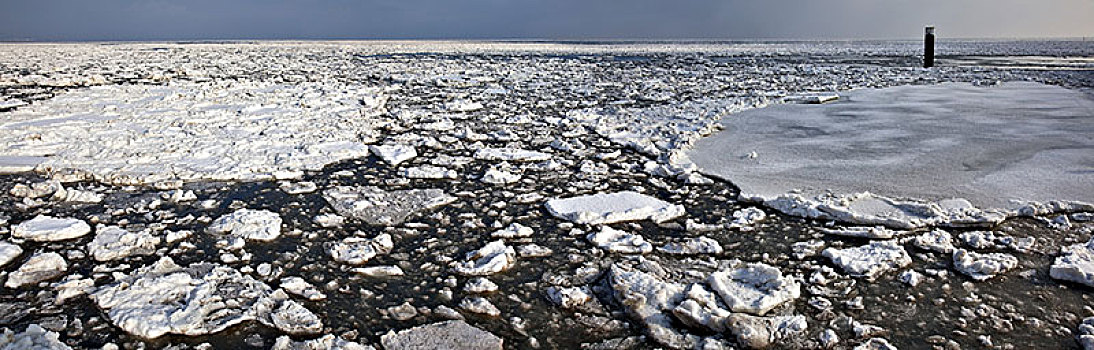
<point x="991" y="145"/>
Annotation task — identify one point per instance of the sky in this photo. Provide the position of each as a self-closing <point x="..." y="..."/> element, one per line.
<point x="76" y="20"/>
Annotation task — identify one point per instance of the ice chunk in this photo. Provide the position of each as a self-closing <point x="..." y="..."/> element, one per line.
<point x="44" y="228"/>
<point x="875" y="232"/>
<point x="429" y="172"/>
<point x="256" y="225"/>
<point x="113" y="243"/>
<point x="875" y="344"/>
<point x="8" y="252"/>
<point x="569" y="297"/>
<point x="617" y="241"/>
<point x="756" y="288"/>
<point x="326" y="342"/>
<point x="936" y="240"/>
<point x="747" y="217"/>
<point x="454" y="334"/>
<point x="692" y="246"/>
<point x="492" y="258"/>
<point x="756" y="332"/>
<point x="514" y="230"/>
<point x="613" y="207"/>
<point x="377" y="207"/>
<point x="499" y="177"/>
<point x="480" y="285"/>
<point x="702" y="310"/>
<point x="479" y="305"/>
<point x="40" y="267"/>
<point x="357" y="250"/>
<point x="298" y="187"/>
<point x="164" y="298"/>
<point x="648" y="300"/>
<point x="1075" y="264"/>
<point x="982" y="266"/>
<point x="298" y="286"/>
<point x="379" y="271"/>
<point x="34" y="338"/>
<point x="394" y="154"/>
<point x="511" y="155"/>
<point x="870" y="260"/>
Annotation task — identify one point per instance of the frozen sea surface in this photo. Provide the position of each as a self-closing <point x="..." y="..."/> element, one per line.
<point x="999" y="147"/>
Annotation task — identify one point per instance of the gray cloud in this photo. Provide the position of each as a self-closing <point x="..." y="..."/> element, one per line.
<point x="561" y="19"/>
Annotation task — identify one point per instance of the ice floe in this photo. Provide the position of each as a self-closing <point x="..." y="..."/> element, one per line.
<point x="113" y="243"/>
<point x="326" y="342"/>
<point x="692" y="246"/>
<point x="40" y="267"/>
<point x="982" y="266"/>
<point x="358" y="250"/>
<point x="569" y="297"/>
<point x="756" y="332"/>
<point x="936" y="240"/>
<point x="8" y="252"/>
<point x="514" y="230"/>
<point x="492" y="258"/>
<point x="249" y="224"/>
<point x="375" y="206"/>
<point x="165" y="298"/>
<point x="869" y="260"/>
<point x="511" y="155"/>
<point x="617" y="241"/>
<point x="455" y="334"/>
<point x="756" y="288"/>
<point x="44" y="228"/>
<point x="394" y="154"/>
<point x="606" y="208"/>
<point x="33" y="338"/>
<point x="429" y="172"/>
<point x="1075" y="264"/>
<point x="298" y="286"/>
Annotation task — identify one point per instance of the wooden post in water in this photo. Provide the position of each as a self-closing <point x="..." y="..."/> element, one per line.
<point x="928" y="48"/>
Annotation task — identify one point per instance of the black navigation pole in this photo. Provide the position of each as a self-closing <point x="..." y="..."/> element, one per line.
<point x="928" y="48"/>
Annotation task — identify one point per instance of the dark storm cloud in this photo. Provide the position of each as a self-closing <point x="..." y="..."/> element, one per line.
<point x="564" y="19"/>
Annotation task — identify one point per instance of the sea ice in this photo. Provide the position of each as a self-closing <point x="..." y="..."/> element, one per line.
<point x="8" y="252"/>
<point x="358" y="250"/>
<point x="164" y="298"/>
<point x="249" y="224"/>
<point x="875" y="232"/>
<point x="621" y="242"/>
<point x="613" y="207"/>
<point x="113" y="243"/>
<point x="455" y="334"/>
<point x="755" y="289"/>
<point x="40" y="267"/>
<point x="936" y="240"/>
<point x="514" y="230"/>
<point x="479" y="305"/>
<point x="982" y="266"/>
<point x="857" y="143"/>
<point x="1075" y="264"/>
<point x="34" y="338"/>
<point x="377" y="207"/>
<point x="511" y="155"/>
<point x="569" y="297"/>
<point x="429" y="172"/>
<point x="44" y="228"/>
<point x="326" y="342"/>
<point x="298" y="286"/>
<point x="499" y="177"/>
<point x="394" y="154"/>
<point x="692" y="246"/>
<point x="143" y="133"/>
<point x="756" y="332"/>
<point x="648" y="300"/>
<point x="492" y="258"/>
<point x="870" y="260"/>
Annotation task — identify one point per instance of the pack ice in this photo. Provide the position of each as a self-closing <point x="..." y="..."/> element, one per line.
<point x="142" y="134"/>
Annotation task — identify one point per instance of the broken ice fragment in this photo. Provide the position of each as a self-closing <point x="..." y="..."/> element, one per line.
<point x="454" y="334"/>
<point x="298" y="286"/>
<point x="40" y="267"/>
<point x="44" y="228"/>
<point x="249" y="224"/>
<point x="479" y="305"/>
<point x="429" y="172"/>
<point x="982" y="266"/>
<point x="113" y="243"/>
<point x="511" y="155"/>
<point x="492" y="258"/>
<point x="569" y="297"/>
<point x="756" y="332"/>
<point x="756" y="288"/>
<point x="358" y="250"/>
<point x="617" y="241"/>
<point x="936" y="240"/>
<point x="377" y="207"/>
<point x="394" y="154"/>
<point x="499" y="177"/>
<point x="692" y="246"/>
<point x="34" y="338"/>
<point x="876" y="232"/>
<point x="514" y="230"/>
<point x="9" y="252"/>
<point x="326" y="342"/>
<point x="870" y="260"/>
<point x="1075" y="264"/>
<point x="613" y="207"/>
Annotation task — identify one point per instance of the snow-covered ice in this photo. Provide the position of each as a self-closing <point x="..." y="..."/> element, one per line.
<point x="358" y="250"/>
<point x="756" y="288"/>
<point x="982" y="266"/>
<point x="606" y="208"/>
<point x="869" y="260"/>
<point x="511" y="155"/>
<point x="492" y="258"/>
<point x="249" y="224"/>
<point x="455" y="334"/>
<point x="998" y="149"/>
<point x="1075" y="264"/>
<point x="621" y="242"/>
<point x="8" y="252"/>
<point x="375" y="206"/>
<point x="142" y="134"/>
<point x="44" y="228"/>
<point x="34" y="338"/>
<point x="40" y="267"/>
<point x="113" y="243"/>
<point x="394" y="154"/>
